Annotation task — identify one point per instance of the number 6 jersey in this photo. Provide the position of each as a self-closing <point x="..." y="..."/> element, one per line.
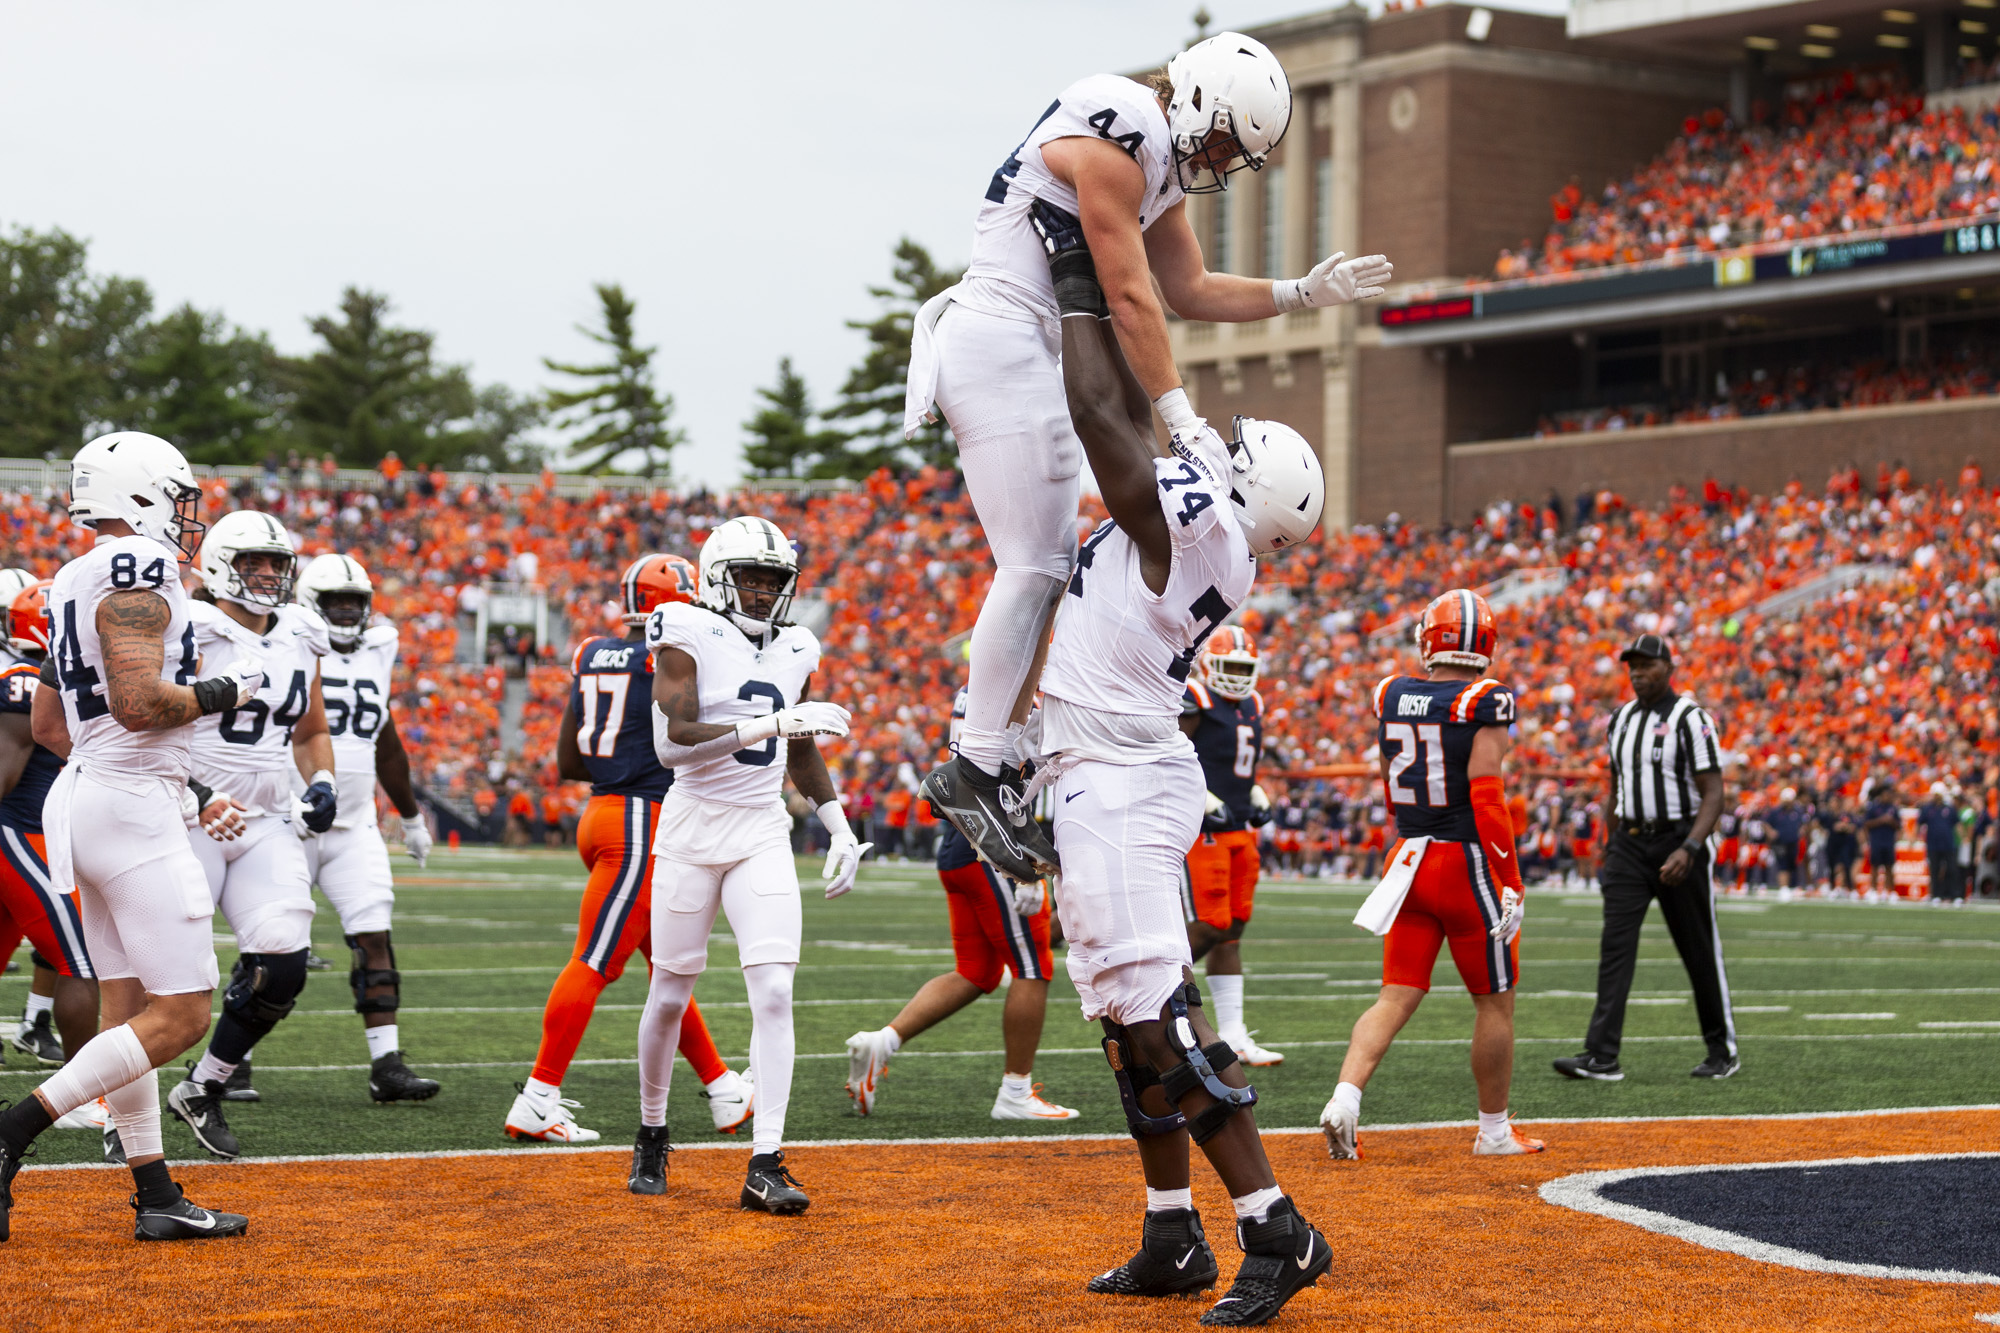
<point x="1426" y="735"/>
<point x="247" y="750"/>
<point x="736" y="681"/>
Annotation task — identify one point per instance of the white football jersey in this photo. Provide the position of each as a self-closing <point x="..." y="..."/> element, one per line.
<point x="1121" y="650"/>
<point x="96" y="738"/>
<point x="735" y="681"/>
<point x="247" y="751"/>
<point x="1006" y="252"/>
<point x="356" y="688"/>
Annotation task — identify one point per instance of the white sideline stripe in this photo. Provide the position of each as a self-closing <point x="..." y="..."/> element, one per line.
<point x="1993" y="1318"/>
<point x="1811" y="1017"/>
<point x="1965" y="1023"/>
<point x="981" y="1140"/>
<point x="1581" y="1193"/>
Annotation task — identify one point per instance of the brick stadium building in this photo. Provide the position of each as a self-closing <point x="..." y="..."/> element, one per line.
<point x="1442" y="136"/>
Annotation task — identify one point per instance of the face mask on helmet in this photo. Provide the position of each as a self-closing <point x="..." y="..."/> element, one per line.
<point x="346" y="616"/>
<point x="1230" y="106"/>
<point x="263" y="579"/>
<point x="1232" y="676"/>
<point x="757" y="596"/>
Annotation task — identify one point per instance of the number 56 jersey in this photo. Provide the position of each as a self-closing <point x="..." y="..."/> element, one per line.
<point x="1426" y="733"/>
<point x="736" y="681"/>
<point x="356" y="688"/>
<point x="247" y="750"/>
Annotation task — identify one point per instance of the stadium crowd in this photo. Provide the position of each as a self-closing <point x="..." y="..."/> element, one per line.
<point x="1863" y="154"/>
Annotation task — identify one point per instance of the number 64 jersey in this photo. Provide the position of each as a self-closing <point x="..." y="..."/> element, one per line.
<point x="1426" y="733"/>
<point x="247" y="750"/>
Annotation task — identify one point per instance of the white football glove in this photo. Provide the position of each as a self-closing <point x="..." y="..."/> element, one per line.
<point x="1213" y="808"/>
<point x="417" y="838"/>
<point x="1512" y="908"/>
<point x="222" y="818"/>
<point x="843" y="858"/>
<point x="1182" y="424"/>
<point x="1336" y="280"/>
<point x="812" y="718"/>
<point x="249" y="678"/>
<point x="1258" y="800"/>
<point x="1027" y="898"/>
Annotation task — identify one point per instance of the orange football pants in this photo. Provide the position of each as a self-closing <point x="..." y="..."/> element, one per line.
<point x="30" y="905"/>
<point x="1222" y="877"/>
<point x="1454" y="897"/>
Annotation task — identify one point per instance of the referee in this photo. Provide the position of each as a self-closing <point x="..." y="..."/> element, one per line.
<point x="1666" y="788"/>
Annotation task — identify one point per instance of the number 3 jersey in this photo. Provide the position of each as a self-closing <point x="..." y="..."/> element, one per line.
<point x="123" y="564"/>
<point x="356" y="688"/>
<point x="1426" y="733"/>
<point x="247" y="750"/>
<point x="737" y="680"/>
<point x="612" y="699"/>
<point x="1228" y="736"/>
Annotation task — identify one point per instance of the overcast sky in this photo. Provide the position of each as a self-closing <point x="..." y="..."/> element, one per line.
<point x="743" y="169"/>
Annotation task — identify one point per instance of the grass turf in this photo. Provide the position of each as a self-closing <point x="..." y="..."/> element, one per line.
<point x="1837" y="1009"/>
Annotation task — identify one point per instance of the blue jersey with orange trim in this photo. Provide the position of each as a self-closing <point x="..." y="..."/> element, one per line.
<point x="1426" y="732"/>
<point x="22" y="808"/>
<point x="612" y="699"/>
<point x="1228" y="738"/>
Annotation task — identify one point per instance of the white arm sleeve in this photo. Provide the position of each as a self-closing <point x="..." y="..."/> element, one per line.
<point x="674" y="755"/>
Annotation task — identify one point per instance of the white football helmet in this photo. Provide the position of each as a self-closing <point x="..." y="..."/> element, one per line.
<point x="237" y="534"/>
<point x="1276" y="484"/>
<point x="138" y="479"/>
<point x="341" y="579"/>
<point x="1230" y="106"/>
<point x="744" y="543"/>
<point x="12" y="581"/>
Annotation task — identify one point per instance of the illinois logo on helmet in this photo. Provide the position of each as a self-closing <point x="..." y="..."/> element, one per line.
<point x="1228" y="662"/>
<point x="1457" y="630"/>
<point x="28" y="619"/>
<point x="655" y="580"/>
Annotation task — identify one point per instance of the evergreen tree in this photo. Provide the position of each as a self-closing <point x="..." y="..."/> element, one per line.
<point x="65" y="339"/>
<point x="617" y="407"/>
<point x="781" y="441"/>
<point x="872" y="397"/>
<point x="209" y="389"/>
<point x="373" y="387"/>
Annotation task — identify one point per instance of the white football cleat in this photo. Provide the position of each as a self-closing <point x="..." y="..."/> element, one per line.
<point x="731" y="1100"/>
<point x="867" y="1057"/>
<point x="1513" y="1145"/>
<point x="1031" y="1107"/>
<point x="1248" y="1051"/>
<point x="1343" y="1133"/>
<point x="93" y="1114"/>
<point x="547" y="1119"/>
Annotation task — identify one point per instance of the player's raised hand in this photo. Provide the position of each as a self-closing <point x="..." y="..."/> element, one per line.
<point x="1335" y="280"/>
<point x="1513" y="907"/>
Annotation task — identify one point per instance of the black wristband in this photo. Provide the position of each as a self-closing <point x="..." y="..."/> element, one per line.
<point x="213" y="696"/>
<point x="47" y="675"/>
<point x="1078" y="292"/>
<point x="203" y="794"/>
<point x="1693" y="848"/>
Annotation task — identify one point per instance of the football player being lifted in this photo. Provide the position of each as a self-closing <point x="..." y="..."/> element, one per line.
<point x="244" y="621"/>
<point x="606" y="739"/>
<point x="1151" y="585"/>
<point x="1223" y="715"/>
<point x="731" y="718"/>
<point x="1442" y="740"/>
<point x="1121" y="155"/>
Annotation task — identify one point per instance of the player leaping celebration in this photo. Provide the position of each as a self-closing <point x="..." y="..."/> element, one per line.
<point x="127" y="698"/>
<point x="730" y="684"/>
<point x="1441" y="743"/>
<point x="1152" y="583"/>
<point x="606" y="739"/>
<point x="1120" y="155"/>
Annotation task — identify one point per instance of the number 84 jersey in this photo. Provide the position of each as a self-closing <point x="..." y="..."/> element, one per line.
<point x="1426" y="733"/>
<point x="737" y="680"/>
<point x="247" y="750"/>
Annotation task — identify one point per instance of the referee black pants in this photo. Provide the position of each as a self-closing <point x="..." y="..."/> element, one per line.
<point x="1631" y="881"/>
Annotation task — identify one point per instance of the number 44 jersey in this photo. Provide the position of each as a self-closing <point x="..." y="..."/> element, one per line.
<point x="737" y="680"/>
<point x="1426" y="733"/>
<point x="247" y="750"/>
<point x="356" y="688"/>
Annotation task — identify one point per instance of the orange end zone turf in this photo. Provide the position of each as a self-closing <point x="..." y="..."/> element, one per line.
<point x="989" y="1236"/>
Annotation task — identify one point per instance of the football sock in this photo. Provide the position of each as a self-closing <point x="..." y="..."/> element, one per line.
<point x="135" y="1109"/>
<point x="698" y="1048"/>
<point x="212" y="1070"/>
<point x="1493" y="1124"/>
<point x="1167" y="1201"/>
<point x="1256" y="1205"/>
<point x="893" y="1038"/>
<point x="1017" y="1085"/>
<point x="1347" y="1098"/>
<point x="37" y="1006"/>
<point x="988" y="751"/>
<point x="1227" y="992"/>
<point x="667" y="997"/>
<point x="109" y="1060"/>
<point x="22" y="1122"/>
<point x="542" y="1090"/>
<point x="1004" y="639"/>
<point x="155" y="1188"/>
<point x="572" y="1000"/>
<point x="772" y="1047"/>
<point x="381" y="1041"/>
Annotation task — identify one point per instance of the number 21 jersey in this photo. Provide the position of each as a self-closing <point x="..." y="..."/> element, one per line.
<point x="737" y="680"/>
<point x="1426" y="733"/>
<point x="247" y="750"/>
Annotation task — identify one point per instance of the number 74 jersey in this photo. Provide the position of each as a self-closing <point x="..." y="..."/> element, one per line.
<point x="1426" y="733"/>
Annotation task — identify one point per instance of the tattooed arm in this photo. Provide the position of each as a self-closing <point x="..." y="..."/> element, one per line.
<point x="132" y="628"/>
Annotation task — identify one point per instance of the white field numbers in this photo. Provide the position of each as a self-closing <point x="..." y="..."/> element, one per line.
<point x="608" y="689"/>
<point x="1431" y="736"/>
<point x="1246" y="751"/>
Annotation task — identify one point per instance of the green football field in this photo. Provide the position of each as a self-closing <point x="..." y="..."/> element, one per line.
<point x="1840" y="1007"/>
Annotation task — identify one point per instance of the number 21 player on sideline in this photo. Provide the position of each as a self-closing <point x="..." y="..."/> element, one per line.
<point x="1120" y="155"/>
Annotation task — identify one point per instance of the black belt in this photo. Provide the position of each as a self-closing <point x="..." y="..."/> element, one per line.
<point x="1655" y="828"/>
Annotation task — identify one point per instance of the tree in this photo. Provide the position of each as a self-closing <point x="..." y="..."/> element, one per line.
<point x="374" y="388"/>
<point x="872" y="397"/>
<point x="65" y="340"/>
<point x="617" y="407"/>
<point x="210" y="389"/>
<point x="493" y="440"/>
<point x="782" y="441"/>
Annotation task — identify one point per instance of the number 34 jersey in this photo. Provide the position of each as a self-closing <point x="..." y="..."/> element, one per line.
<point x="125" y="564"/>
<point x="737" y="680"/>
<point x="612" y="701"/>
<point x="356" y="688"/>
<point x="1228" y="736"/>
<point x="247" y="750"/>
<point x="1426" y="733"/>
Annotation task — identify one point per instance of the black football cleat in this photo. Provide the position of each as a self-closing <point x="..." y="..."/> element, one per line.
<point x="770" y="1187"/>
<point x="1174" y="1259"/>
<point x="1602" y="1068"/>
<point x="649" y="1161"/>
<point x="199" y="1107"/>
<point x="992" y="815"/>
<point x="237" y="1087"/>
<point x="1716" y="1066"/>
<point x="39" y="1041"/>
<point x="181" y="1220"/>
<point x="10" y="1166"/>
<point x="390" y="1080"/>
<point x="1282" y="1256"/>
<point x="314" y="963"/>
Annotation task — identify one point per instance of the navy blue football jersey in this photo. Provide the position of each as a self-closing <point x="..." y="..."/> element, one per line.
<point x="1426" y="735"/>
<point x="22" y="809"/>
<point x="1228" y="738"/>
<point x="612" y="698"/>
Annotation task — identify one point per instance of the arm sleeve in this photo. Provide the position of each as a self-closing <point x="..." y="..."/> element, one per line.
<point x="672" y="755"/>
<point x="1496" y="830"/>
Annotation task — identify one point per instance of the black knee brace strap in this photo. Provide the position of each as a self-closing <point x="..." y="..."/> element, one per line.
<point x="35" y="957"/>
<point x="364" y="978"/>
<point x="263" y="987"/>
<point x="1133" y="1079"/>
<point x="1201" y="1068"/>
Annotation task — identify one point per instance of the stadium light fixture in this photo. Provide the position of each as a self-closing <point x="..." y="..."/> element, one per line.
<point x="1968" y="53"/>
<point x="1814" y="51"/>
<point x="1981" y="4"/>
<point x="1824" y="31"/>
<point x="1898" y="16"/>
<point x="1761" y="43"/>
<point x="1973" y="26"/>
<point x="1895" y="41"/>
<point x="1478" y="24"/>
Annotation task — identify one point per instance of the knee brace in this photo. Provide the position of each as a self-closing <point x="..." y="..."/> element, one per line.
<point x="1200" y="1067"/>
<point x="35" y="957"/>
<point x="1133" y="1079"/>
<point x="364" y="978"/>
<point x="263" y="987"/>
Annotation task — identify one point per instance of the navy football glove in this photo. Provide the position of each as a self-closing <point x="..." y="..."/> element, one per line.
<point x="314" y="811"/>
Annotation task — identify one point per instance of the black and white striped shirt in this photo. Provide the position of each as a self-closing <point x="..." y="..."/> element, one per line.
<point x="1655" y="753"/>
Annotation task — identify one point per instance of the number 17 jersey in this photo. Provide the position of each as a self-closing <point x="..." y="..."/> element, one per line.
<point x="1425" y="733"/>
<point x="612" y="700"/>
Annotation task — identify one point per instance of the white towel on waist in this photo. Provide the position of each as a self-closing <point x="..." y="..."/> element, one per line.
<point x="1378" y="913"/>
<point x="920" y="388"/>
